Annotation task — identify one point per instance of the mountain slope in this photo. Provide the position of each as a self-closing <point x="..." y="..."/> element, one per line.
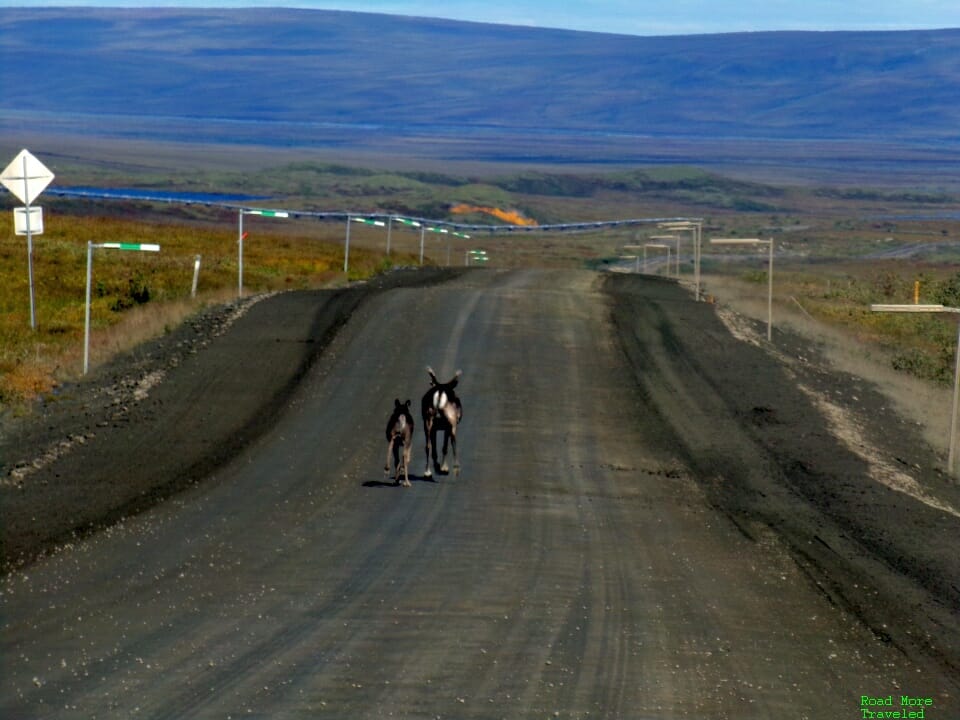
<point x="302" y="76"/>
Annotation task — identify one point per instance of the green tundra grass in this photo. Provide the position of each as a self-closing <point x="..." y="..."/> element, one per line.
<point x="830" y="249"/>
<point x="138" y="294"/>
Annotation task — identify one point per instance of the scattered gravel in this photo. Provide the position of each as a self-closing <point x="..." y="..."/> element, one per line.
<point x="164" y="415"/>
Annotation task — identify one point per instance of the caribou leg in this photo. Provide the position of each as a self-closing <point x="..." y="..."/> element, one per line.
<point x="386" y="464"/>
<point x="407" y="448"/>
<point x="397" y="448"/>
<point x="456" y="457"/>
<point x="434" y="442"/>
<point x="444" y="468"/>
<point x="428" y="431"/>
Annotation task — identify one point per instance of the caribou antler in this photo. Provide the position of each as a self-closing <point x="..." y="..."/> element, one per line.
<point x="433" y="377"/>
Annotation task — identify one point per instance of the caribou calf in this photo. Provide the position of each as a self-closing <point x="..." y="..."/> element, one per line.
<point x="399" y="441"/>
<point x="441" y="410"/>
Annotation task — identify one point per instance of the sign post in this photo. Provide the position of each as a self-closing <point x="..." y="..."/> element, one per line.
<point x="476" y="256"/>
<point x="695" y="227"/>
<point x="439" y="230"/>
<point x="139" y="247"/>
<point x="636" y="258"/>
<point x="346" y="248"/>
<point x="363" y="221"/>
<point x="676" y="257"/>
<point x="26" y="177"/>
<point x="463" y="236"/>
<point x="660" y="246"/>
<point x="769" y="244"/>
<point x="402" y="221"/>
<point x="916" y="308"/>
<point x="241" y="235"/>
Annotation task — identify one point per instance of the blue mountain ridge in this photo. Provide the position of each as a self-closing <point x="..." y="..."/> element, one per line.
<point x="290" y="76"/>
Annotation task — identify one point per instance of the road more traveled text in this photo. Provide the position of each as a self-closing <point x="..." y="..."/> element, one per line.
<point x="886" y="707"/>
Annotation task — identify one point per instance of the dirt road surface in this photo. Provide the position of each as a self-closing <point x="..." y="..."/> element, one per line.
<point x="656" y="517"/>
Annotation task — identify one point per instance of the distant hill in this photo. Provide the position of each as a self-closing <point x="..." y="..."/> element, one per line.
<point x="331" y="79"/>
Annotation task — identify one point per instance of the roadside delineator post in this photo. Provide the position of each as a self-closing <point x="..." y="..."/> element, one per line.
<point x="436" y="229"/>
<point x="636" y="257"/>
<point x="675" y="239"/>
<point x="137" y="247"/>
<point x="660" y="246"/>
<point x="769" y="244"/>
<point x="476" y="256"/>
<point x="951" y="453"/>
<point x="196" y="276"/>
<point x="362" y="221"/>
<point x="408" y="223"/>
<point x="696" y="229"/>
<point x="241" y="235"/>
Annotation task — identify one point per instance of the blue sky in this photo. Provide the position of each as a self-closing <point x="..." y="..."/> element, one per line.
<point x="634" y="17"/>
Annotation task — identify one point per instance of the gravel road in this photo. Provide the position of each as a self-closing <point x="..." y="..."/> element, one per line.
<point x="657" y="517"/>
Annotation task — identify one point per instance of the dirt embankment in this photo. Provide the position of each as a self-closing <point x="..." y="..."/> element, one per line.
<point x="164" y="415"/>
<point x="798" y="447"/>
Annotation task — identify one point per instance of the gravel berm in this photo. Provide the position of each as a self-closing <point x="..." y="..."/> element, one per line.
<point x="163" y="416"/>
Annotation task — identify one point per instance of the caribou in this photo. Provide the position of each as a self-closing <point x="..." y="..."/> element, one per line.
<point x="399" y="441"/>
<point x="441" y="410"/>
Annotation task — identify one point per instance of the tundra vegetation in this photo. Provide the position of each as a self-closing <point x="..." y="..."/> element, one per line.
<point x="137" y="295"/>
<point x="838" y="249"/>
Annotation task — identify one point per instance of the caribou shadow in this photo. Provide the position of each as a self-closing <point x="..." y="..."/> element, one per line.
<point x="392" y="484"/>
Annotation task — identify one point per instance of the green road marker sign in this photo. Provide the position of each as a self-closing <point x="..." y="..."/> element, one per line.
<point x="137" y="247"/>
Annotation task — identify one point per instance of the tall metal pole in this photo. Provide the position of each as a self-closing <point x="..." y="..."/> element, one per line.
<point x="26" y="194"/>
<point x="769" y="244"/>
<point x="240" y="261"/>
<point x="770" y="294"/>
<point x="956" y="397"/>
<point x="389" y="229"/>
<point x="33" y="312"/>
<point x="423" y="231"/>
<point x="952" y="452"/>
<point x="86" y="325"/>
<point x="346" y="248"/>
<point x="698" y="231"/>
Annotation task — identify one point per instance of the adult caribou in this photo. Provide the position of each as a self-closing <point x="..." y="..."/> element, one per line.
<point x="441" y="410"/>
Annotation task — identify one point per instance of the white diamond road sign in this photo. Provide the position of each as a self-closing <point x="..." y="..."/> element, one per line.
<point x="26" y="177"/>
